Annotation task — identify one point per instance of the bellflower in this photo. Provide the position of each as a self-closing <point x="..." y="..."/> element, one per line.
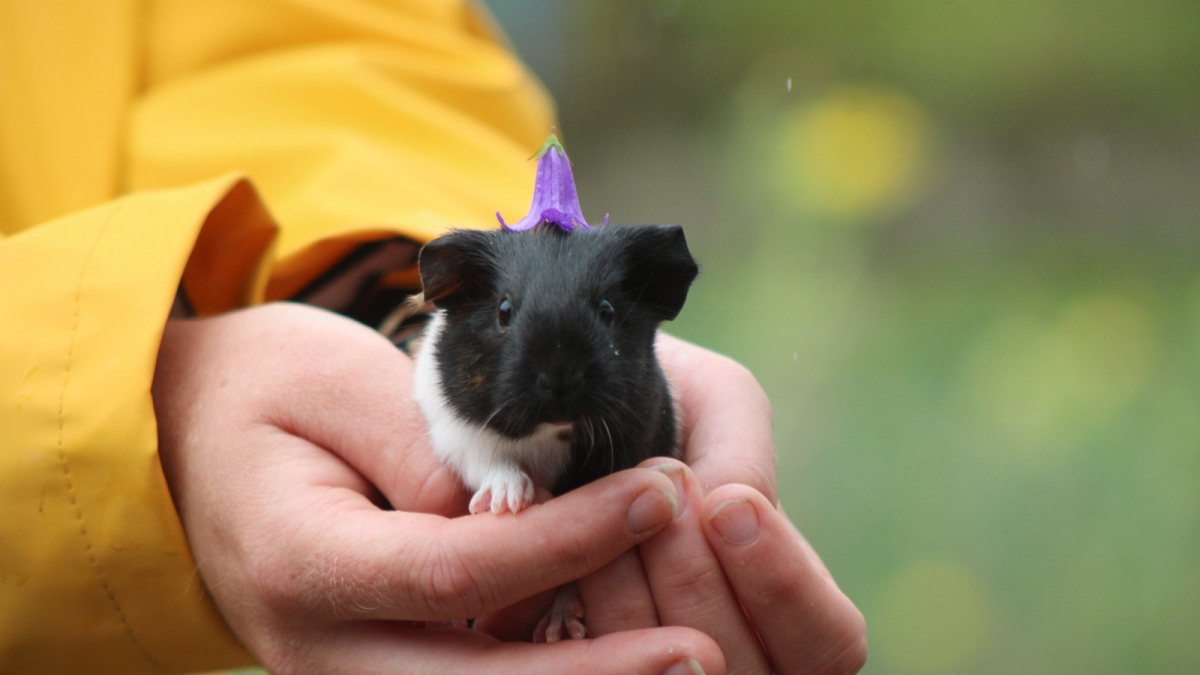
<point x="554" y="197"/>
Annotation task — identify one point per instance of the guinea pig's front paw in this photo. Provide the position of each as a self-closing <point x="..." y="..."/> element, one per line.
<point x="506" y="490"/>
<point x="565" y="618"/>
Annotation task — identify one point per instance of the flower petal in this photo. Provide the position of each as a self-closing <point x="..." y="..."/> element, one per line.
<point x="555" y="199"/>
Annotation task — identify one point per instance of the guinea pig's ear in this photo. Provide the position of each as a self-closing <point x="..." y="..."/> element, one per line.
<point x="659" y="268"/>
<point x="457" y="268"/>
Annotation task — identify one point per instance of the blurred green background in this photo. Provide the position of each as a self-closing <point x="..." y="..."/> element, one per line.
<point x="956" y="241"/>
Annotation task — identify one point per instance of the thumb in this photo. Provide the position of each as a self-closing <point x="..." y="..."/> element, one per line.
<point x="412" y="566"/>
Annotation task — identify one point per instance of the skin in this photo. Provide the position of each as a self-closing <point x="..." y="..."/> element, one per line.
<point x="283" y="429"/>
<point x="796" y="619"/>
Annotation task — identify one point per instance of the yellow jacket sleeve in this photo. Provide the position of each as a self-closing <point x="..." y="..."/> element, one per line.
<point x="95" y="573"/>
<point x="354" y="120"/>
<point x="245" y="145"/>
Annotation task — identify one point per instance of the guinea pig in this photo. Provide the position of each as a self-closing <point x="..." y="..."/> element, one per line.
<point x="538" y="367"/>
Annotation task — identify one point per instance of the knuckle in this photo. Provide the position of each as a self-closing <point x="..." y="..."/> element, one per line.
<point x="329" y="337"/>
<point x="687" y="580"/>
<point x="629" y="613"/>
<point x="747" y="384"/>
<point x="789" y="586"/>
<point x="738" y="379"/>
<point x="849" y="659"/>
<point x="446" y="587"/>
<point x="848" y="653"/>
<point x="573" y="549"/>
<point x="735" y="372"/>
<point x="856" y="658"/>
<point x="762" y="478"/>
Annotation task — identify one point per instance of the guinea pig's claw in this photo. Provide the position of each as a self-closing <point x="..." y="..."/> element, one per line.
<point x="502" y="492"/>
<point x="482" y="501"/>
<point x="565" y="618"/>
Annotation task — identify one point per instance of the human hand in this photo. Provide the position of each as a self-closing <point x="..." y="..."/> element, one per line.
<point x="282" y="429"/>
<point x="734" y="567"/>
<point x="735" y="547"/>
<point x="731" y="565"/>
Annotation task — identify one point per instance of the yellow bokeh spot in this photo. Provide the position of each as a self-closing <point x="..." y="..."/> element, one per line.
<point x="1046" y="385"/>
<point x="932" y="617"/>
<point x="854" y="153"/>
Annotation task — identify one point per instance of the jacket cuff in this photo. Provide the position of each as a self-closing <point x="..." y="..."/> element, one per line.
<point x="95" y="571"/>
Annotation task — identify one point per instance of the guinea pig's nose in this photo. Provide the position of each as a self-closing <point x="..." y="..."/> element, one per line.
<point x="560" y="383"/>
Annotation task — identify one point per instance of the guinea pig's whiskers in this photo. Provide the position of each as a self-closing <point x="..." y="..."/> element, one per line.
<point x="482" y="428"/>
<point x="493" y="415"/>
<point x="616" y="410"/>
<point x="590" y="426"/>
<point x="612" y="447"/>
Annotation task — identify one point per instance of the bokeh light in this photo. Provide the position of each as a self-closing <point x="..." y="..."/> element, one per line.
<point x="932" y="618"/>
<point x="1043" y="388"/>
<point x="855" y="152"/>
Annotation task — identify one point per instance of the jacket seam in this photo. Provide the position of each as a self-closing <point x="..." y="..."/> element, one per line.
<point x="93" y="561"/>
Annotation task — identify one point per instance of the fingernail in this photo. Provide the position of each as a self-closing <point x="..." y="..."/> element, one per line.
<point x="675" y="473"/>
<point x="651" y="510"/>
<point x="688" y="667"/>
<point x="737" y="521"/>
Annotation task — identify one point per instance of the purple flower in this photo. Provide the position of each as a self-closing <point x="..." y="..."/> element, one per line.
<point x="554" y="197"/>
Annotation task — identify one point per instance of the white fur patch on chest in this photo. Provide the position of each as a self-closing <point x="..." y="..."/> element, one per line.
<point x="477" y="453"/>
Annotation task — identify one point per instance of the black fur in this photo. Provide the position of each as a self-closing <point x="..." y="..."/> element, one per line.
<point x="563" y="357"/>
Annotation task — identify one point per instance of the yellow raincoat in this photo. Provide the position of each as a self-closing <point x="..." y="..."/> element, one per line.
<point x="243" y="147"/>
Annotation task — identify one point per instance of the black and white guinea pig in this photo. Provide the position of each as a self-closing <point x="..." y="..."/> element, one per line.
<point x="539" y="367"/>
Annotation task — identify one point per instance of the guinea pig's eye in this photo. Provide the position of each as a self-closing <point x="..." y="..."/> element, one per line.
<point x="607" y="312"/>
<point x="504" y="312"/>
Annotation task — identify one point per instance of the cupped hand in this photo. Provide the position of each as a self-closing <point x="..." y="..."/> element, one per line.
<point x="731" y="565"/>
<point x="285" y="431"/>
<point x="734" y="567"/>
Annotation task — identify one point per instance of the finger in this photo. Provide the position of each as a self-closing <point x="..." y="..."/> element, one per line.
<point x="726" y="417"/>
<point x="808" y="549"/>
<point x="516" y="622"/>
<point x="688" y="584"/>
<point x="806" y="623"/>
<point x="617" y="597"/>
<point x="359" y="562"/>
<point x="385" y="648"/>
